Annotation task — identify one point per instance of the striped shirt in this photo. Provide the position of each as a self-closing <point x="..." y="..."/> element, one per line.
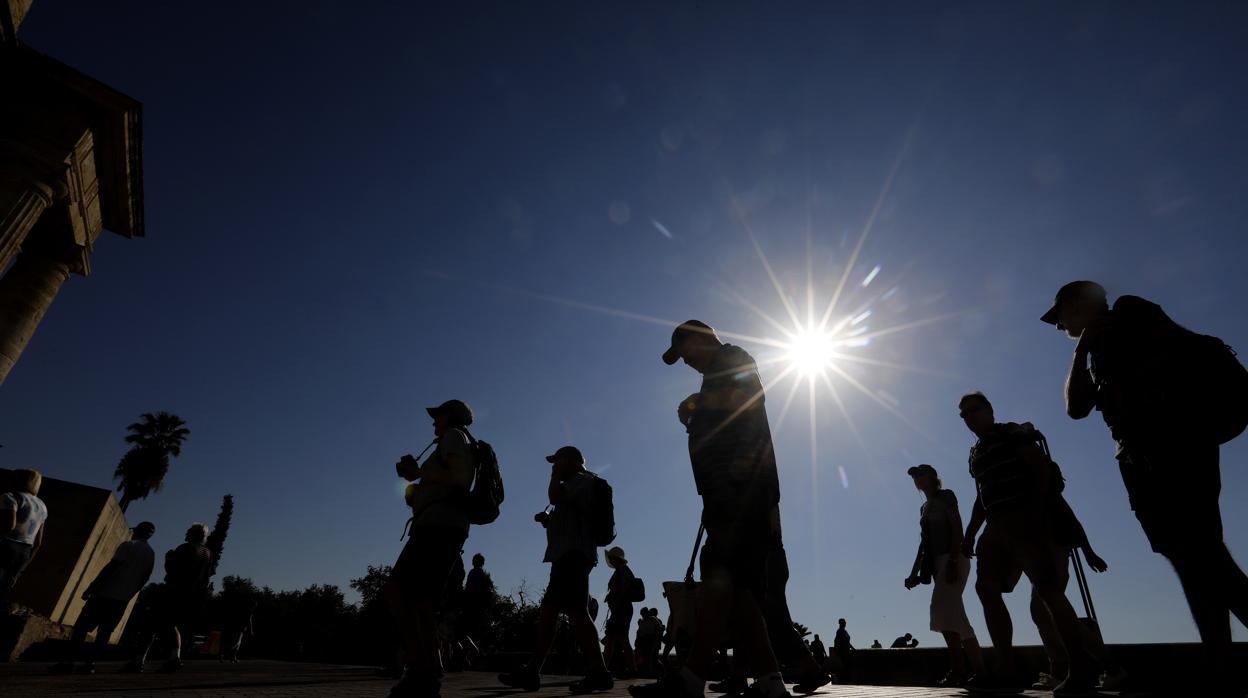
<point x="1002" y="478"/>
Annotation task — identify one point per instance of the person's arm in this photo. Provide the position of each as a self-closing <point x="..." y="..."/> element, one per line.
<point x="1080" y="388"/>
<point x="913" y="580"/>
<point x="8" y="519"/>
<point x="952" y="569"/>
<point x="34" y="547"/>
<point x="972" y="528"/>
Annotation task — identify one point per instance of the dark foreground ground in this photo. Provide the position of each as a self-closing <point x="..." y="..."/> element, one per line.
<point x="267" y="679"/>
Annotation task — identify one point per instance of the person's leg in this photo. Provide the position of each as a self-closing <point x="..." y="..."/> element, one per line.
<point x="587" y="637"/>
<point x="425" y="659"/>
<point x="1201" y="586"/>
<point x="1054" y="648"/>
<point x="547" y="617"/>
<point x="1235" y="581"/>
<point x="1000" y="625"/>
<point x="975" y="654"/>
<point x="957" y="661"/>
<point x="609" y="647"/>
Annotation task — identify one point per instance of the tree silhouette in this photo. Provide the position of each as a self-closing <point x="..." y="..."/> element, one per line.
<point x="154" y="438"/>
<point x="216" y="539"/>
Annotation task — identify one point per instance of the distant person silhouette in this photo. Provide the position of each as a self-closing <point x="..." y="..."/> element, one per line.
<point x="844" y="650"/>
<point x="940" y="560"/>
<point x="22" y="515"/>
<point x="422" y="575"/>
<point x="479" y="594"/>
<point x="239" y="621"/>
<point x="650" y="632"/>
<point x="818" y="651"/>
<point x="619" y="613"/>
<point x="107" y="597"/>
<point x="902" y="642"/>
<point x="181" y="599"/>
<point x="875" y="645"/>
<point x="734" y="470"/>
<point x="1014" y="481"/>
<point x="1155" y="384"/>
<point x="572" y="554"/>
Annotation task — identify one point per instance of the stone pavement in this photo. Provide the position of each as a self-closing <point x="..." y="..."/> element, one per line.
<point x="266" y="679"/>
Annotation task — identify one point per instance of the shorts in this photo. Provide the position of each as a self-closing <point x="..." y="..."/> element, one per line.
<point x="619" y="620"/>
<point x="179" y="608"/>
<point x="427" y="561"/>
<point x="948" y="613"/>
<point x="1174" y="493"/>
<point x="568" y="588"/>
<point x="737" y="550"/>
<point x="102" y="614"/>
<point x="1015" y="543"/>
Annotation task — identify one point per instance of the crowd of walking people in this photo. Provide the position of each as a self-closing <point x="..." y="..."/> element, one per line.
<point x="1168" y="428"/>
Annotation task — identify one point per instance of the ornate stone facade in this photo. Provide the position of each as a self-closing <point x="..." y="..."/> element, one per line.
<point x="70" y="167"/>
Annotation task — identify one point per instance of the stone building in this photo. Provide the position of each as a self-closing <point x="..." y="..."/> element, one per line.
<point x="71" y="166"/>
<point x="85" y="526"/>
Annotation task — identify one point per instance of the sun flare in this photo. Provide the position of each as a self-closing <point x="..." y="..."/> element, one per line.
<point x="811" y="352"/>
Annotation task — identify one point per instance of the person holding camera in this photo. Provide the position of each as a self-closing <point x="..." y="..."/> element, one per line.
<point x="572" y="555"/>
<point x="439" y="527"/>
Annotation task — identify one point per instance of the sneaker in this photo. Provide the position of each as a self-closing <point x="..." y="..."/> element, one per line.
<point x="670" y="686"/>
<point x="1077" y="684"/>
<point x="133" y="666"/>
<point x="171" y="666"/>
<point x="1113" y="680"/>
<point x="953" y="680"/>
<point x="88" y="668"/>
<point x="1045" y="682"/>
<point x="730" y="686"/>
<point x="61" y="668"/>
<point x="809" y="684"/>
<point x="592" y="683"/>
<point x="524" y="680"/>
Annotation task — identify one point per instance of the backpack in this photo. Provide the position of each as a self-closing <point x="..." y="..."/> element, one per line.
<point x="486" y="496"/>
<point x="1220" y="385"/>
<point x="636" y="590"/>
<point x="602" y="515"/>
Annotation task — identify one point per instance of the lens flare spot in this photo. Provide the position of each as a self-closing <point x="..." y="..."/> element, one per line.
<point x="840" y="469"/>
<point x="811" y="352"/>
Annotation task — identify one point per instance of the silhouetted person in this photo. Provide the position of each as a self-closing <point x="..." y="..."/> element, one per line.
<point x="619" y="612"/>
<point x="734" y="470"/>
<point x="572" y="554"/>
<point x="818" y="651"/>
<point x="1070" y="535"/>
<point x="875" y="645"/>
<point x="478" y="594"/>
<point x="650" y="632"/>
<point x="785" y="641"/>
<point x="180" y="600"/>
<point x="22" y="516"/>
<point x="940" y="561"/>
<point x="107" y="597"/>
<point x="902" y="642"/>
<point x="844" y="650"/>
<point x="1014" y="482"/>
<point x="1136" y="366"/>
<point x="439" y="527"/>
<point x="239" y="621"/>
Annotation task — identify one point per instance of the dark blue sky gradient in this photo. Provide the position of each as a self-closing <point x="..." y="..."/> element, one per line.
<point x="357" y="212"/>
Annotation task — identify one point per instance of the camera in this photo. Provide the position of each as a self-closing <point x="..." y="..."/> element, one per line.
<point x="542" y="517"/>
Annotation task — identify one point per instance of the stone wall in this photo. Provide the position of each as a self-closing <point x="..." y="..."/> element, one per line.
<point x="85" y="525"/>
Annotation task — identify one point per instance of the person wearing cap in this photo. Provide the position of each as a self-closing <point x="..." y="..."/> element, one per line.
<point x="734" y="471"/>
<point x="439" y="528"/>
<point x="108" y="596"/>
<point x="22" y="516"/>
<point x="940" y="561"/>
<point x="572" y="555"/>
<point x="619" y="612"/>
<point x="1014" y="483"/>
<point x="1129" y="365"/>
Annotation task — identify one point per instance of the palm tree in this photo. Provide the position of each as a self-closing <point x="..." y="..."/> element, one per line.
<point x="154" y="438"/>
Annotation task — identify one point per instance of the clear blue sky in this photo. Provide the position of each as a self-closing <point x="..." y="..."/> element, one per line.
<point x="354" y="213"/>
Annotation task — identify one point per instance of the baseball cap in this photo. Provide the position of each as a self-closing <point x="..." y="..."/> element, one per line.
<point x="455" y="410"/>
<point x="570" y="452"/>
<point x="146" y="526"/>
<point x="682" y="332"/>
<point x="1075" y="290"/>
<point x="922" y="469"/>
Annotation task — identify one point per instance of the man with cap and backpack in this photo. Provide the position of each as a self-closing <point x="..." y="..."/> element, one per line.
<point x="456" y="486"/>
<point x="734" y="471"/>
<point x="1170" y="398"/>
<point x="579" y="520"/>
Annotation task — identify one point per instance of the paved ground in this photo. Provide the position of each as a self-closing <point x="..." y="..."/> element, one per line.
<point x="264" y="679"/>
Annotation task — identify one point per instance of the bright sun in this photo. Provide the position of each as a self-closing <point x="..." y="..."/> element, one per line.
<point x="811" y="352"/>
